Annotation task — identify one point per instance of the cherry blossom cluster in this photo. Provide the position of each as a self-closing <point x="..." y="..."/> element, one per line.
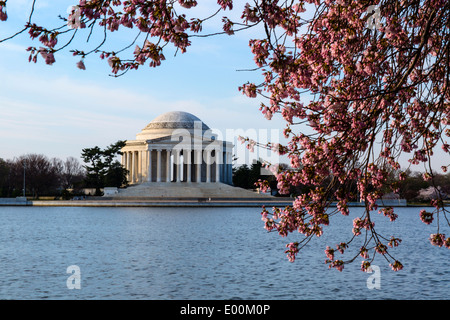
<point x="438" y="239"/>
<point x="377" y="94"/>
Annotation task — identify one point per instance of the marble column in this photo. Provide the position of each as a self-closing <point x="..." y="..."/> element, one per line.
<point x="224" y="168"/>
<point x="188" y="165"/>
<point x="139" y="162"/>
<point x="228" y="168"/>
<point x="132" y="166"/>
<point x="177" y="159"/>
<point x="124" y="160"/>
<point x="149" y="165"/>
<point x="136" y="166"/>
<point x="217" y="157"/>
<point x="125" y="154"/>
<point x="158" y="163"/>
<point x="168" y="166"/>
<point x="198" y="154"/>
<point x="208" y="165"/>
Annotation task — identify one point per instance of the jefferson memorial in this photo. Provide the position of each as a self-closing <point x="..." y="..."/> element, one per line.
<point x="177" y="155"/>
<point x="177" y="147"/>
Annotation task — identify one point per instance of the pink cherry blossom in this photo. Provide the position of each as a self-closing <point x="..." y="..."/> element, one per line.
<point x="363" y="252"/>
<point x="292" y="250"/>
<point x="426" y="217"/>
<point x="439" y="240"/>
<point x="47" y="55"/>
<point x="396" y="265"/>
<point x="329" y="253"/>
<point x="3" y="14"/>
<point x="80" y="65"/>
<point x="365" y="266"/>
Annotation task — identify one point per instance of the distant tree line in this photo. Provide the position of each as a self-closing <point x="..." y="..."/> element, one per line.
<point x="40" y="175"/>
<point x="43" y="176"/>
<point x="414" y="187"/>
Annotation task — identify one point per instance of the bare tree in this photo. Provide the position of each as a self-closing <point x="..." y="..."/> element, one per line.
<point x="72" y="173"/>
<point x="34" y="172"/>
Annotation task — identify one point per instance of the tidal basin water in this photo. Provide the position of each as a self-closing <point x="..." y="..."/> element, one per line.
<point x="201" y="253"/>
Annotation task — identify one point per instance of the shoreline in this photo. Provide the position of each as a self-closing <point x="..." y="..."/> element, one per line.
<point x="149" y="203"/>
<point x="179" y="202"/>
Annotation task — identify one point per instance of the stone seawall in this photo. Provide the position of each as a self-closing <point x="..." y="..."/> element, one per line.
<point x="161" y="203"/>
<point x="19" y="201"/>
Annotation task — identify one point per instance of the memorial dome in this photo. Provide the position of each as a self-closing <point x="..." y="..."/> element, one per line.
<point x="175" y="120"/>
<point x="165" y="124"/>
<point x="177" y="147"/>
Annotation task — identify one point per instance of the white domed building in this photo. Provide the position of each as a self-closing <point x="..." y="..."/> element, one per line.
<point x="178" y="156"/>
<point x="177" y="147"/>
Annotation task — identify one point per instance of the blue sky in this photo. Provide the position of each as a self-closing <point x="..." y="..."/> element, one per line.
<point x="58" y="110"/>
